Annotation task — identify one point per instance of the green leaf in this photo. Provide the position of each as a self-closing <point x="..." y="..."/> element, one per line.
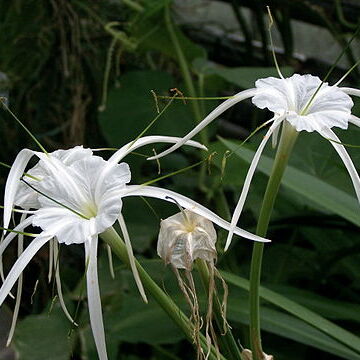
<point x="308" y="186"/>
<point x="44" y="336"/>
<point x="131" y="107"/>
<point x="333" y="309"/>
<point x="317" y="321"/>
<point x="134" y="323"/>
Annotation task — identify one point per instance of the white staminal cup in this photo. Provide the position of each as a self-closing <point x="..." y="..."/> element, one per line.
<point x="185" y="237"/>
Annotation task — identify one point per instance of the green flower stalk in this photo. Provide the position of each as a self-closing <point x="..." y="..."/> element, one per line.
<point x="287" y="141"/>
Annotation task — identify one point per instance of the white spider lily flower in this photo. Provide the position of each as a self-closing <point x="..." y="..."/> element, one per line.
<point x="303" y="101"/>
<point x="79" y="200"/>
<point x="75" y="216"/>
<point x="185" y="237"/>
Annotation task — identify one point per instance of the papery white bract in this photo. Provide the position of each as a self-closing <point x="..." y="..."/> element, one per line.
<point x="307" y="104"/>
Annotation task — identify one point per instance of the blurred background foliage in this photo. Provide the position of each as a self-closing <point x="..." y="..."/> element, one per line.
<point x="81" y="72"/>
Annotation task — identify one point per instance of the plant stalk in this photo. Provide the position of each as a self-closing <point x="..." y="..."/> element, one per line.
<point x="112" y="238"/>
<point x="287" y="141"/>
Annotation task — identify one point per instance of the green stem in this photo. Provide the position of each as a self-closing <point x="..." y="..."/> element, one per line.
<point x="287" y="141"/>
<point x="112" y="238"/>
<point x="227" y="340"/>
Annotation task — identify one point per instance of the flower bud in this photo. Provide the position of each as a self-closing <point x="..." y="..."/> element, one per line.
<point x="184" y="237"/>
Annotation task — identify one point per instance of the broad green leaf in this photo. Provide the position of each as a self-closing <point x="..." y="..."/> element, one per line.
<point x="317" y="321"/>
<point x="310" y="187"/>
<point x="134" y="323"/>
<point x="316" y="156"/>
<point x="131" y="107"/>
<point x="44" y="336"/>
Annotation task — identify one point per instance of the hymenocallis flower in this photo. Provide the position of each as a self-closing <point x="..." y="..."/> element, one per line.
<point x="77" y="196"/>
<point x="300" y="103"/>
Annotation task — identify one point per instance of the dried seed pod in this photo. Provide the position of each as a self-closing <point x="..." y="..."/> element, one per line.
<point x="185" y="237"/>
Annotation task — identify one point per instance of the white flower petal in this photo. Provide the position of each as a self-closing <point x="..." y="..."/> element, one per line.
<point x="248" y="179"/>
<point x="69" y="156"/>
<point x="146" y="140"/>
<point x="51" y="259"/>
<point x="102" y="184"/>
<point x="94" y="300"/>
<point x="62" y="223"/>
<point x="354" y="120"/>
<point x="58" y="283"/>
<point x="11" y="235"/>
<point x="208" y="119"/>
<point x="21" y="263"/>
<point x="27" y="197"/>
<point x="6" y="241"/>
<point x="61" y="183"/>
<point x="132" y="258"/>
<point x="350" y="91"/>
<point x="340" y="149"/>
<point x="273" y="94"/>
<point x="13" y="181"/>
<point x="167" y="195"/>
<point x="19" y="288"/>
